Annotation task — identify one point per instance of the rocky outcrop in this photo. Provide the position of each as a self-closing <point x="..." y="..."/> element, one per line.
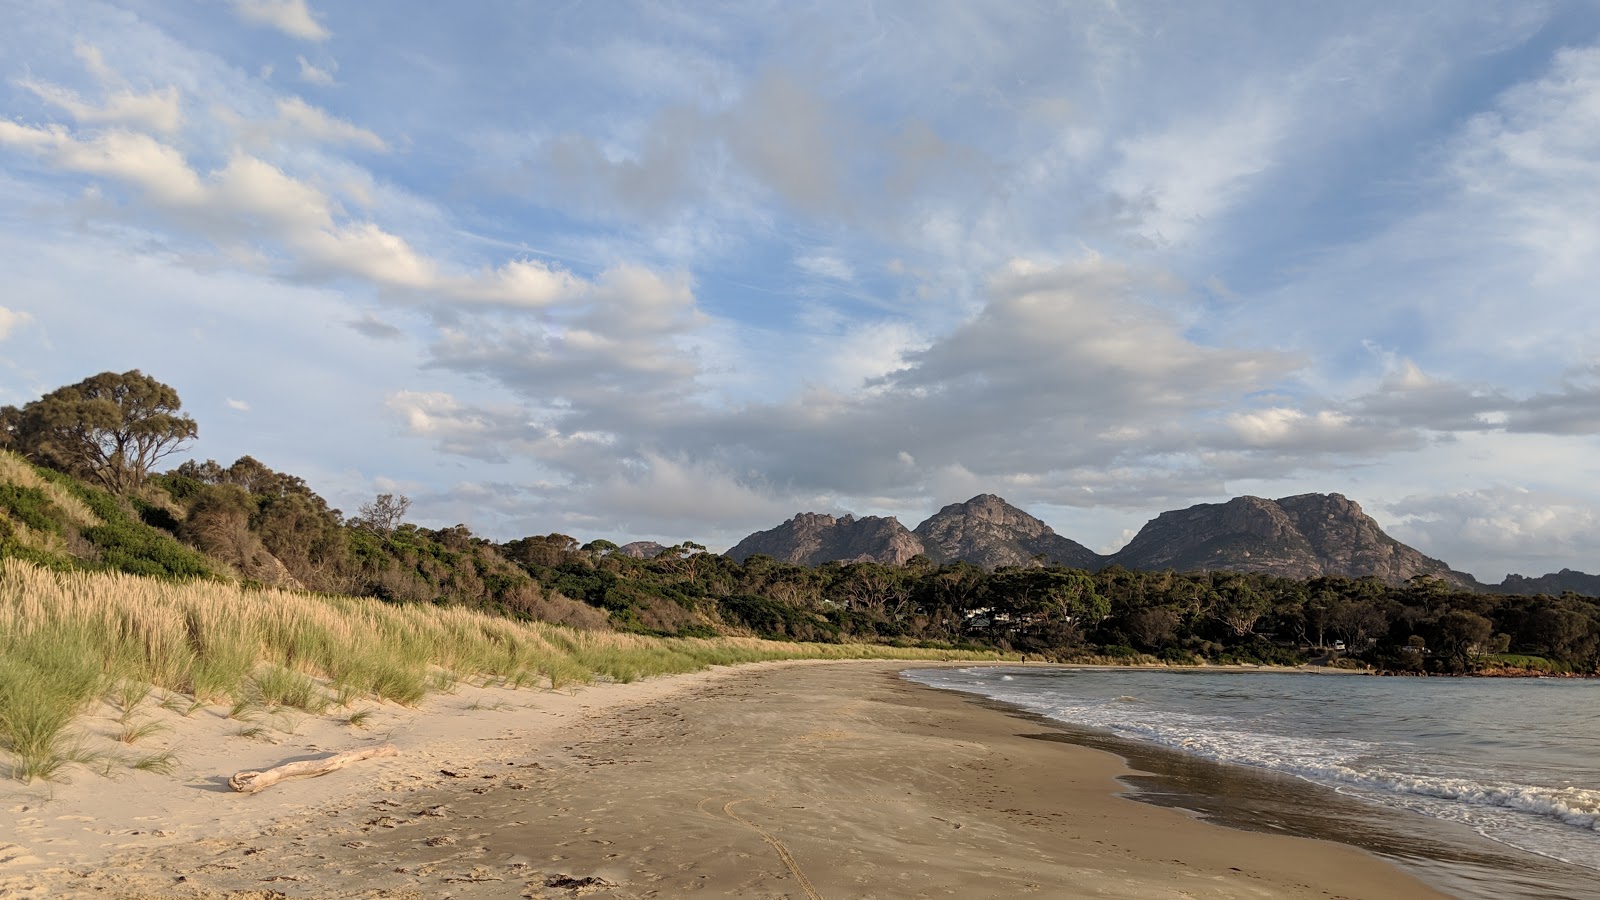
<point x="1304" y="536"/>
<point x="987" y="531"/>
<point x="811" y="539"/>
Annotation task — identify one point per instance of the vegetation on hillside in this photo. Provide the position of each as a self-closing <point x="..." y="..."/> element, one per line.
<point x="69" y="639"/>
<point x="248" y="522"/>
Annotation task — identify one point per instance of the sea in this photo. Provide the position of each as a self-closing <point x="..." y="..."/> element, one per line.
<point x="1485" y="788"/>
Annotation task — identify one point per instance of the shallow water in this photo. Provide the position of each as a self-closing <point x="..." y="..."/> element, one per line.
<point x="1487" y="787"/>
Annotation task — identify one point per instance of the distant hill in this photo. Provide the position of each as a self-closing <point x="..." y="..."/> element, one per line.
<point x="811" y="539"/>
<point x="1303" y="536"/>
<point x="1553" y="584"/>
<point x="989" y="532"/>
<point x="641" y="549"/>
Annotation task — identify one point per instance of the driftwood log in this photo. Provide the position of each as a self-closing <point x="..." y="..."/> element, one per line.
<point x="251" y="782"/>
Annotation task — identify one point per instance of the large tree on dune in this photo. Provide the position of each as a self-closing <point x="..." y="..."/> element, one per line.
<point x="109" y="428"/>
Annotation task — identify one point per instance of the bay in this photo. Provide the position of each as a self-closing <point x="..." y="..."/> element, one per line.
<point x="1487" y="787"/>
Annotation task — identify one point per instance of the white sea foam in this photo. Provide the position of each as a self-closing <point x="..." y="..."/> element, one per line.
<point x="1257" y="731"/>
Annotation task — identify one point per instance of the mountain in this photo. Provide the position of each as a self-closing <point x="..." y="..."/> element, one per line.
<point x="811" y="539"/>
<point x="1553" y="584"/>
<point x="989" y="532"/>
<point x="641" y="549"/>
<point x="985" y="531"/>
<point x="1293" y="537"/>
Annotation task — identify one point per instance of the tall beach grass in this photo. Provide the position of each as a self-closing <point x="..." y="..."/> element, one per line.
<point x="67" y="639"/>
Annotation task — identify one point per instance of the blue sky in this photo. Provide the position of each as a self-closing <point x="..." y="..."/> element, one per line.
<point x="678" y="271"/>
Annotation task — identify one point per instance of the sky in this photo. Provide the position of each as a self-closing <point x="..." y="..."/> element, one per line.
<point x="680" y="270"/>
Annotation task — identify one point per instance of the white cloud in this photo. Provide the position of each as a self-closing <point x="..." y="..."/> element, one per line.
<point x="312" y="74"/>
<point x="238" y="405"/>
<point x="292" y="17"/>
<point x="1498" y="529"/>
<point x="158" y="110"/>
<point x="866" y="354"/>
<point x="825" y="266"/>
<point x="1178" y="179"/>
<point x="156" y="169"/>
<point x="11" y="320"/>
<point x="1535" y="162"/>
<point x="1056" y="357"/>
<point x="299" y="118"/>
<point x="250" y="198"/>
<point x="298" y="122"/>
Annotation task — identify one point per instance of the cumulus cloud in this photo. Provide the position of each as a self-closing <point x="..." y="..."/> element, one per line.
<point x="1573" y="410"/>
<point x="292" y="17"/>
<point x="11" y="320"/>
<point x="1064" y="361"/>
<point x="138" y="160"/>
<point x="1500" y="529"/>
<point x="498" y="433"/>
<point x="238" y="405"/>
<point x="616" y="346"/>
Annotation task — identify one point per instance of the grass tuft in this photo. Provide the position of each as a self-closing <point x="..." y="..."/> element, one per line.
<point x="163" y="763"/>
<point x="278" y="687"/>
<point x="132" y="733"/>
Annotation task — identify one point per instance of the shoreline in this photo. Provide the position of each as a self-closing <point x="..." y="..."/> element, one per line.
<point x="1306" y="669"/>
<point x="830" y="779"/>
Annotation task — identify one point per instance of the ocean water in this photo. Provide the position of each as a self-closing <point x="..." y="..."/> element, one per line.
<point x="1487" y="787"/>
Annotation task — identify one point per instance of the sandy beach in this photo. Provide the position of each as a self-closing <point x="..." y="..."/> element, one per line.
<point x="778" y="780"/>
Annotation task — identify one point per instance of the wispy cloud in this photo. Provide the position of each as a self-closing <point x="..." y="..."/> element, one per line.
<point x="292" y="17"/>
<point x="322" y="76"/>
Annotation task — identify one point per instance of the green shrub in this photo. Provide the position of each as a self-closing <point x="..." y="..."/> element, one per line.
<point x="31" y="507"/>
<point x="141" y="550"/>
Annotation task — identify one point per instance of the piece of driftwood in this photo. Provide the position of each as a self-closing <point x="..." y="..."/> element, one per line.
<point x="251" y="782"/>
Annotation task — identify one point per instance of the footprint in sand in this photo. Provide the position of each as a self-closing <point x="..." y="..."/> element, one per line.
<point x="16" y="855"/>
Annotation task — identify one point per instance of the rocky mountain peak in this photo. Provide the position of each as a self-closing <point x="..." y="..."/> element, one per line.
<point x="990" y="532"/>
<point x="1303" y="536"/>
<point x="811" y="539"/>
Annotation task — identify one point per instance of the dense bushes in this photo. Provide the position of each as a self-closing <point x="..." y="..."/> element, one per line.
<point x="267" y="527"/>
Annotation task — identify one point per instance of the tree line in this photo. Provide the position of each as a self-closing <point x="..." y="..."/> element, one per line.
<point x="101" y="439"/>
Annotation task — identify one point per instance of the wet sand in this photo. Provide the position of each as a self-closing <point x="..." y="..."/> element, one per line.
<point x="805" y="781"/>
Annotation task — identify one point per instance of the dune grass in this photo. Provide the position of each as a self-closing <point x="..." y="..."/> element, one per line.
<point x="69" y="639"/>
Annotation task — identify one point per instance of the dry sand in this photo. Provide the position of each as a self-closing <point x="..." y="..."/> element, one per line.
<point x="781" y="780"/>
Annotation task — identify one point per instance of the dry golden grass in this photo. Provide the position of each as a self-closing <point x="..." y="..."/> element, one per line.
<point x="15" y="470"/>
<point x="69" y="638"/>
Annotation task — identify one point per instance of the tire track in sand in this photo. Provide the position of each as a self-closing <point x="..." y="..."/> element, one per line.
<point x="770" y="838"/>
